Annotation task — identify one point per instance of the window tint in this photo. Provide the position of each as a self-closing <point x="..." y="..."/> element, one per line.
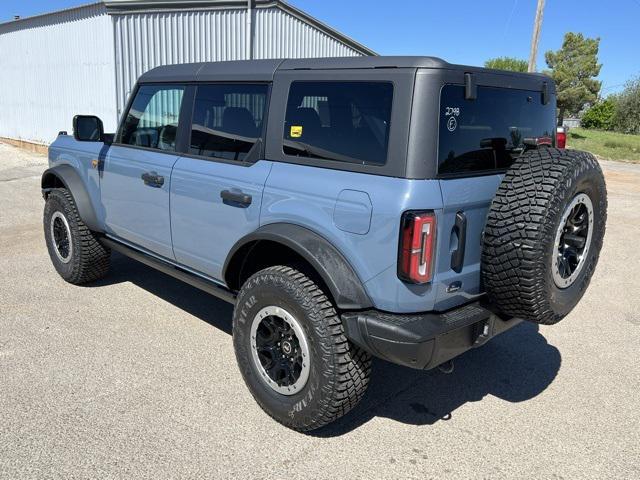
<point x="490" y="132"/>
<point x="227" y="120"/>
<point x="152" y="120"/>
<point x="343" y="121"/>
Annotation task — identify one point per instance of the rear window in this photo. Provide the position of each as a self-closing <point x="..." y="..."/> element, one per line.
<point x="341" y="121"/>
<point x="490" y="132"/>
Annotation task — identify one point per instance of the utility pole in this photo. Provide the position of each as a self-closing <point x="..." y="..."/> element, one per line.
<point x="536" y="36"/>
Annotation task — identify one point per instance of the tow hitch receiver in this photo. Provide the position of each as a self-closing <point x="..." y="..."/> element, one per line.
<point x="446" y="367"/>
<point x="483" y="331"/>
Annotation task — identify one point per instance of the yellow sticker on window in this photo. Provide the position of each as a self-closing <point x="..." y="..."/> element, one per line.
<point x="296" y="131"/>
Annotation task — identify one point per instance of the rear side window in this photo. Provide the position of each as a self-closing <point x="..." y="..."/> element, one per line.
<point x="490" y="132"/>
<point x="152" y="119"/>
<point x="341" y="121"/>
<point x="227" y="120"/>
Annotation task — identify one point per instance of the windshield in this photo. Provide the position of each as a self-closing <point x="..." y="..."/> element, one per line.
<point x="490" y="132"/>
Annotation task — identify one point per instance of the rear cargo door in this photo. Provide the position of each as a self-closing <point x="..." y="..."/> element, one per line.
<point x="478" y="141"/>
<point x="466" y="203"/>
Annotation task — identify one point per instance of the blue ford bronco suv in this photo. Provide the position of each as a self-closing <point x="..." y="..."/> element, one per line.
<point x="401" y="207"/>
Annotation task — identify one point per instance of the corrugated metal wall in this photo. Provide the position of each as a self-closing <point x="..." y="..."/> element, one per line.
<point x="281" y="35"/>
<point x="86" y="60"/>
<point x="53" y="67"/>
<point x="146" y="40"/>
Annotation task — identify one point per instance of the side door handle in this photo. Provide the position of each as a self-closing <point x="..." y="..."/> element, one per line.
<point x="460" y="229"/>
<point x="235" y="198"/>
<point x="152" y="179"/>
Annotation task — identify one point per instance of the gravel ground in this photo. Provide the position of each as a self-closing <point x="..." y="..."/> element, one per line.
<point x="135" y="377"/>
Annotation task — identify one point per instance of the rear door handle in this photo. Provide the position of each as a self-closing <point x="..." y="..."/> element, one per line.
<point x="460" y="229"/>
<point x="236" y="198"/>
<point x="152" y="179"/>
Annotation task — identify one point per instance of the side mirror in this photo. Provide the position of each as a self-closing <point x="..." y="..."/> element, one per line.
<point x="88" y="128"/>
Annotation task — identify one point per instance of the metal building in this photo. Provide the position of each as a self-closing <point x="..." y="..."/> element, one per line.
<point x="87" y="59"/>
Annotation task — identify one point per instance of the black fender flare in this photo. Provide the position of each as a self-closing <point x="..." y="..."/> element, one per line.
<point x="338" y="275"/>
<point x="69" y="177"/>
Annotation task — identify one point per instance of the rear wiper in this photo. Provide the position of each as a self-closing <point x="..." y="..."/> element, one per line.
<point x="502" y="144"/>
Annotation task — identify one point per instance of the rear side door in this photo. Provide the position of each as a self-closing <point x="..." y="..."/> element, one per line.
<point x="136" y="175"/>
<point x="216" y="186"/>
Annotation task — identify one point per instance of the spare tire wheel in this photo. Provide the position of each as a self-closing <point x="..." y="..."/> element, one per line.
<point x="544" y="233"/>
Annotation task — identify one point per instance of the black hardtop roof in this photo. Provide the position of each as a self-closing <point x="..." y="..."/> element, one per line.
<point x="239" y="70"/>
<point x="264" y="70"/>
<point x="254" y="70"/>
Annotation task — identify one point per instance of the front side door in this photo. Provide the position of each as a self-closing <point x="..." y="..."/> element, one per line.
<point x="136" y="175"/>
<point x="216" y="187"/>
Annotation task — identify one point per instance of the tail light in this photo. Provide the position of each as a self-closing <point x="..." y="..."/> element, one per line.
<point x="417" y="241"/>
<point x="561" y="137"/>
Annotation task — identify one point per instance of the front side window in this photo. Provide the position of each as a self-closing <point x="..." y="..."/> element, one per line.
<point x="340" y="121"/>
<point x="227" y="120"/>
<point x="152" y="119"/>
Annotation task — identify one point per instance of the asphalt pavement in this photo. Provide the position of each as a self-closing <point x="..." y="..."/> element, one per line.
<point x="135" y="377"/>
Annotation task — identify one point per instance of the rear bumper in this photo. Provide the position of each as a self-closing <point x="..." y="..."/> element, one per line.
<point x="424" y="340"/>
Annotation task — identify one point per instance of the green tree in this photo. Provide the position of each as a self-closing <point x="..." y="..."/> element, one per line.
<point x="573" y="69"/>
<point x="600" y="115"/>
<point x="627" y="116"/>
<point x="507" y="63"/>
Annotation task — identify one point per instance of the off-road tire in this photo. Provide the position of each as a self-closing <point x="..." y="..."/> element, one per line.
<point x="89" y="258"/>
<point x="519" y="237"/>
<point x="339" y="370"/>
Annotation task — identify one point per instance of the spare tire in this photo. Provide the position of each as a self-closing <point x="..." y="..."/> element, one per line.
<point x="544" y="233"/>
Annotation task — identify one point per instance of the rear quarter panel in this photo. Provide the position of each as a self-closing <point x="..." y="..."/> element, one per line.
<point x="308" y="196"/>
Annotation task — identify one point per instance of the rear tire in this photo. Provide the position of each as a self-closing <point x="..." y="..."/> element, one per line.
<point x="75" y="251"/>
<point x="329" y="375"/>
<point x="544" y="233"/>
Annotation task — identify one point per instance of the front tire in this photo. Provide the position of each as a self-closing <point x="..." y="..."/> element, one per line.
<point x="75" y="251"/>
<point x="292" y="351"/>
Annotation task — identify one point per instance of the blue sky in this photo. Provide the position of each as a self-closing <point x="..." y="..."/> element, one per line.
<point x="462" y="31"/>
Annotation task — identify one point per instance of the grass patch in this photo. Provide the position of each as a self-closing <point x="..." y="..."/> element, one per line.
<point x="614" y="144"/>
<point x="608" y="145"/>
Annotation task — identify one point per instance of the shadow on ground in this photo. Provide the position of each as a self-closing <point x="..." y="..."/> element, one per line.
<point x="215" y="312"/>
<point x="515" y="366"/>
